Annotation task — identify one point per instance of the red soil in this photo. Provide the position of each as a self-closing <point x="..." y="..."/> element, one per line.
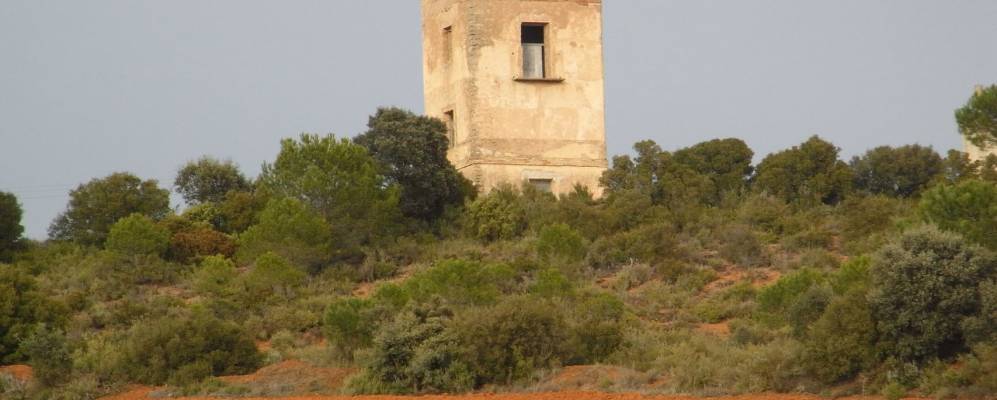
<point x="542" y="396"/>
<point x="19" y="372"/>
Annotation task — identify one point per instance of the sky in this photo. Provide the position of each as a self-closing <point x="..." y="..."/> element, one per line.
<point x="88" y="88"/>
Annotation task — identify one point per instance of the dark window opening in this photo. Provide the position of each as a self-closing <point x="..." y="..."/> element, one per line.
<point x="534" y="51"/>
<point x="543" y="185"/>
<point x="451" y="128"/>
<point x="448" y="42"/>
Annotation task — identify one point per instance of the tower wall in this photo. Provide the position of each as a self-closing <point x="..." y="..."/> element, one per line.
<point x="507" y="128"/>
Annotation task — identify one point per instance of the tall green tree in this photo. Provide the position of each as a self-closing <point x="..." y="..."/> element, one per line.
<point x="95" y="206"/>
<point x="978" y="118"/>
<point x="290" y="229"/>
<point x="896" y="171"/>
<point x="208" y="180"/>
<point x="808" y="173"/>
<point x="412" y="152"/>
<point x="337" y="178"/>
<point x="726" y="162"/>
<point x="968" y="208"/>
<point x="658" y="174"/>
<point x="10" y="223"/>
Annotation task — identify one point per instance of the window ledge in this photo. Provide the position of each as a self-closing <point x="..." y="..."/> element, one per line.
<point x="539" y="80"/>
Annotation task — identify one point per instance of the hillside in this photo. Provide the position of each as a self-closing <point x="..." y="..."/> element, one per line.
<point x="344" y="269"/>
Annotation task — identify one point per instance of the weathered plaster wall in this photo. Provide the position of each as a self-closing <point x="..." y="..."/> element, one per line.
<point x="509" y="130"/>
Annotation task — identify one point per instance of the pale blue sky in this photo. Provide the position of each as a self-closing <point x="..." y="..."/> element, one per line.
<point x="92" y="87"/>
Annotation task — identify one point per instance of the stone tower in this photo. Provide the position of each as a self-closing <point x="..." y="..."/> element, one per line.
<point x="520" y="85"/>
<point x="977" y="153"/>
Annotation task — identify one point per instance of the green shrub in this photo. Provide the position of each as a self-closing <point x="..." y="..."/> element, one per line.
<point x="925" y="284"/>
<point x="561" y="242"/>
<point x="186" y="349"/>
<point x="596" y="326"/>
<point x="191" y="245"/>
<point x="510" y="340"/>
<point x="48" y="354"/>
<point x="734" y="301"/>
<point x="271" y="278"/>
<point x="349" y="325"/>
<point x="842" y="342"/>
<point x="136" y="235"/>
<point x="738" y="244"/>
<point x="778" y="298"/>
<point x="460" y="283"/>
<point x="497" y="215"/>
<point x="808" y="307"/>
<point x="764" y="212"/>
<point x="853" y="275"/>
<point x="416" y="353"/>
<point x="22" y="306"/>
<point x="651" y="243"/>
<point x="215" y="277"/>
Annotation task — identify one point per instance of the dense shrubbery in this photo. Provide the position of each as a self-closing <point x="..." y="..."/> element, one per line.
<point x="697" y="270"/>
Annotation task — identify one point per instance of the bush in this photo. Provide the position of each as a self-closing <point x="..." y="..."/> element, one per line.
<point x="215" y="277"/>
<point x="596" y="326"/>
<point x="778" y="298"/>
<point x="968" y="208"/>
<point x="739" y="245"/>
<point x="650" y="243"/>
<point x="808" y="307"/>
<point x="460" y="283"/>
<point x="842" y="342"/>
<point x="349" y="325"/>
<point x="48" y="355"/>
<point x="192" y="245"/>
<point x="22" y="307"/>
<point x="509" y="341"/>
<point x="288" y="228"/>
<point x="925" y="284"/>
<point x="137" y="235"/>
<point x="497" y="215"/>
<point x="561" y="242"/>
<point x="416" y="353"/>
<point x="271" y="278"/>
<point x="186" y="349"/>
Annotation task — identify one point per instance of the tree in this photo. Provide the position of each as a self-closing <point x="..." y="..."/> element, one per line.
<point x="272" y="277"/>
<point x="208" y="180"/>
<point x="10" y="223"/>
<point x="978" y="118"/>
<point x="957" y="167"/>
<point x="926" y="284"/>
<point x="136" y="235"/>
<point x="428" y="181"/>
<point x="338" y="179"/>
<point x="726" y="162"/>
<point x="968" y="208"/>
<point x="95" y="206"/>
<point x="899" y="172"/>
<point x="658" y="174"/>
<point x="290" y="229"/>
<point x="808" y="173"/>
